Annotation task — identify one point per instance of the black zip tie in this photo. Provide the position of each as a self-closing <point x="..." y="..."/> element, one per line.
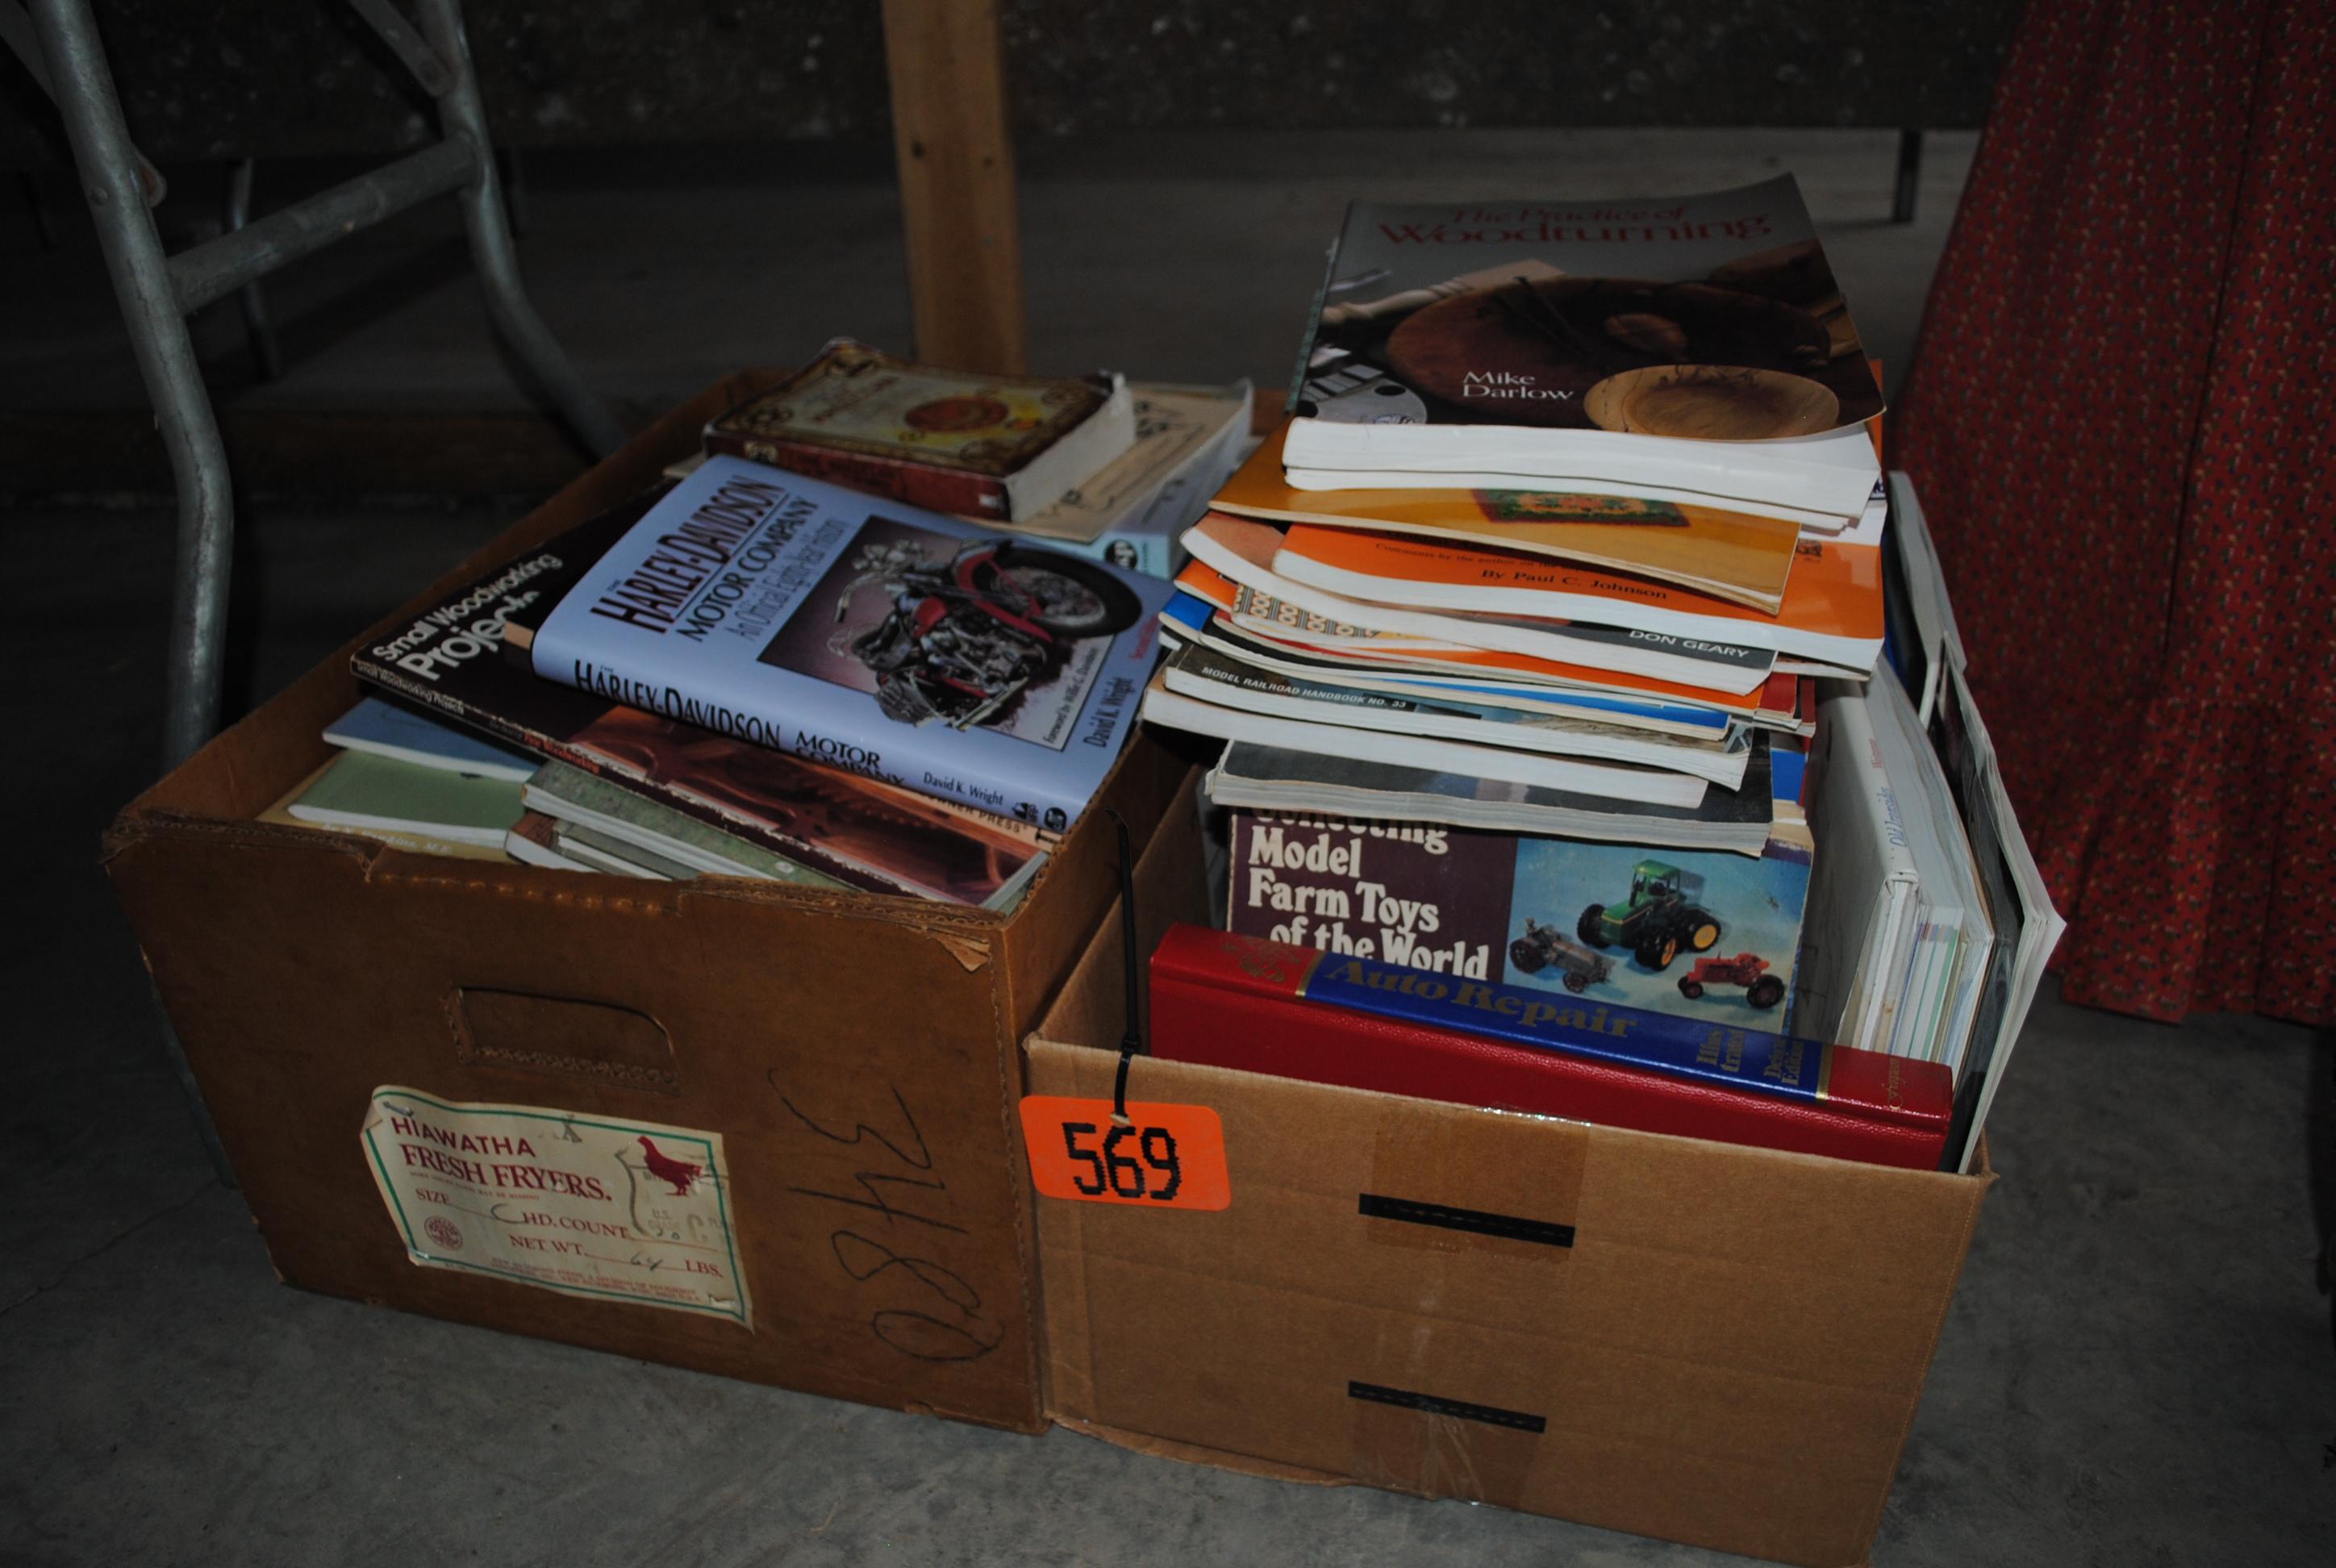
<point x="1130" y="1038"/>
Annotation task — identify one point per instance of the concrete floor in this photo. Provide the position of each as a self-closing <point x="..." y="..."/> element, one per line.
<point x="2138" y="1368"/>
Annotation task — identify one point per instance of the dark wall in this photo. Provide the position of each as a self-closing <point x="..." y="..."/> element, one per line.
<point x="288" y="78"/>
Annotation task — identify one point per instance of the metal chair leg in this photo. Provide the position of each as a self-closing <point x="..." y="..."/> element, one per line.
<point x="69" y="61"/>
<point x="460" y="111"/>
<point x="108" y="167"/>
<point x="155" y="299"/>
<point x="258" y="330"/>
<point x="109" y="170"/>
<point x="1910" y="177"/>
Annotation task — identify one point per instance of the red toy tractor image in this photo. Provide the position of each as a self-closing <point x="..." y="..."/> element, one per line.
<point x="1750" y="971"/>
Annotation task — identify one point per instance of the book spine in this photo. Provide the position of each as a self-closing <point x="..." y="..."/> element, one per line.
<point x="921" y="758"/>
<point x="1265" y="1007"/>
<point x="1006" y="832"/>
<point x="1314" y="319"/>
<point x="971" y="495"/>
<point x="495" y="726"/>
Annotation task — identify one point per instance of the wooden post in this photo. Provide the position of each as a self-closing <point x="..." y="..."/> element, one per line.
<point x="956" y="156"/>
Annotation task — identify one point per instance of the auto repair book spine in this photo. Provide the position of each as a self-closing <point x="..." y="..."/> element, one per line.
<point x="1232" y="1002"/>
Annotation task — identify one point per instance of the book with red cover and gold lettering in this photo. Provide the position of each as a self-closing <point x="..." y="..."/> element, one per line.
<point x="1262" y="1006"/>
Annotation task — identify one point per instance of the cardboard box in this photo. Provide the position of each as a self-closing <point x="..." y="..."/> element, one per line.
<point x="839" y="1070"/>
<point x="1716" y="1344"/>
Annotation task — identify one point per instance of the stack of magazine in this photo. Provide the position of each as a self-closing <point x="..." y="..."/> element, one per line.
<point x="812" y="678"/>
<point x="1523" y="633"/>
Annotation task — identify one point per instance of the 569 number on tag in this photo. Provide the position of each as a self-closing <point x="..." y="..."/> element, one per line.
<point x="1162" y="1158"/>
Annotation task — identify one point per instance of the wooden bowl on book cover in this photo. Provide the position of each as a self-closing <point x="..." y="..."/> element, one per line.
<point x="1529" y="351"/>
<point x="1712" y="403"/>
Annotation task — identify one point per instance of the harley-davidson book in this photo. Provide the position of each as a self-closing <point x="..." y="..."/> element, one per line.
<point x="1695" y="934"/>
<point x="1701" y="344"/>
<point x="1001" y="448"/>
<point x="865" y="833"/>
<point x="894" y="643"/>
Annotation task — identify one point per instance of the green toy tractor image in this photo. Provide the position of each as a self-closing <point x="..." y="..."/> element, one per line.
<point x="1661" y="917"/>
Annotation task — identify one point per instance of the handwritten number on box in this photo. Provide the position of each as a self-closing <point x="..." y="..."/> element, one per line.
<point x="1161" y="1157"/>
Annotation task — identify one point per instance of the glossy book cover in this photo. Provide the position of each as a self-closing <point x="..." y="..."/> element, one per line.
<point x="454" y="661"/>
<point x="1714" y="316"/>
<point x="1709" y="935"/>
<point x="909" y="647"/>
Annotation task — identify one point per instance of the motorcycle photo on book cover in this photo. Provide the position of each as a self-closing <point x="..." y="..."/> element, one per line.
<point x="969" y="633"/>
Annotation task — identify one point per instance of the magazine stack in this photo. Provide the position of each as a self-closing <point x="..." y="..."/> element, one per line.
<point x="1545" y="642"/>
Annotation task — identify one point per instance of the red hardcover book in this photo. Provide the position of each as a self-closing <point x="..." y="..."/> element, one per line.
<point x="1264" y="1007"/>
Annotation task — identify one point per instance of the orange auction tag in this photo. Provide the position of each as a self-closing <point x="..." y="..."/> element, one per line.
<point x="1166" y="1156"/>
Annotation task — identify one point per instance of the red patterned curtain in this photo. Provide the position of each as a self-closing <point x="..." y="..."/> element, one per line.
<point x="2119" y="421"/>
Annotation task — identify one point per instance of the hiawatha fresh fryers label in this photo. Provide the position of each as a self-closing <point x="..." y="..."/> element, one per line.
<point x="628" y="1211"/>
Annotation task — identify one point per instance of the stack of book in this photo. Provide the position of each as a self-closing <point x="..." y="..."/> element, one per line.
<point x="883" y="635"/>
<point x="1520" y="632"/>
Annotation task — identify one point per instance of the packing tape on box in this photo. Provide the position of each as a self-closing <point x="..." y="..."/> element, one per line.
<point x="1476" y="1181"/>
<point x="1413" y="1440"/>
<point x="1470" y="1184"/>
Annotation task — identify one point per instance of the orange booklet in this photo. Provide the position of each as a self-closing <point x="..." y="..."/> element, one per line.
<point x="1260" y="615"/>
<point x="1832" y="611"/>
<point x="1728" y="554"/>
